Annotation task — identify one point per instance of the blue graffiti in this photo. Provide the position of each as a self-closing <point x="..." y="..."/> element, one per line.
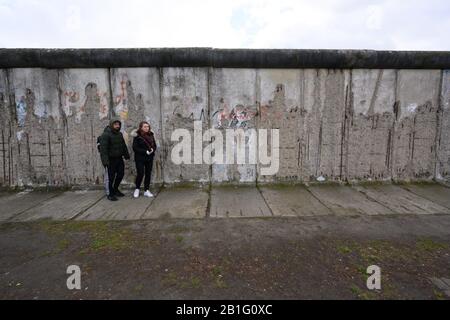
<point x="21" y="110"/>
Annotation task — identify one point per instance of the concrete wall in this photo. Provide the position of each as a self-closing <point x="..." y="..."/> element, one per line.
<point x="342" y="124"/>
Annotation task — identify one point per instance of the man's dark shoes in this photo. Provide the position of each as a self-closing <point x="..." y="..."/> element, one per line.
<point x="118" y="193"/>
<point x="112" y="198"/>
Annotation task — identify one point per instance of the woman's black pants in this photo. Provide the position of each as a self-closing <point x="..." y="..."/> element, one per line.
<point x="144" y="170"/>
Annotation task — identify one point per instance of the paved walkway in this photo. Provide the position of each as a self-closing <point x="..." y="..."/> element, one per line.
<point x="229" y="201"/>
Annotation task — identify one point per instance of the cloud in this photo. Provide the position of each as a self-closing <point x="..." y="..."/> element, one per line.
<point x="369" y="24"/>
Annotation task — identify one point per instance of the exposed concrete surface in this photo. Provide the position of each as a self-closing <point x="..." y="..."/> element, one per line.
<point x="293" y="201"/>
<point x="17" y="203"/>
<point x="344" y="200"/>
<point x="401" y="201"/>
<point x="178" y="202"/>
<point x="232" y="201"/>
<point x="432" y="192"/>
<point x="66" y="206"/>
<point x="201" y="202"/>
<point x="339" y="124"/>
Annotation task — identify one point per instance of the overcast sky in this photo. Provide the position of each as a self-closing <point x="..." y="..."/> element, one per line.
<point x="332" y="24"/>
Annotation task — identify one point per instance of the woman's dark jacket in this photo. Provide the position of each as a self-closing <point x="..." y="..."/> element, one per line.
<point x="141" y="146"/>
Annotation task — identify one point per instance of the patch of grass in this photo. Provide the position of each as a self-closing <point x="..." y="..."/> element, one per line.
<point x="430" y="245"/>
<point x="101" y="234"/>
<point x="170" y="279"/>
<point x="217" y="271"/>
<point x="63" y="244"/>
<point x="179" y="238"/>
<point x="194" y="282"/>
<point x="177" y="229"/>
<point x="138" y="288"/>
<point x="438" y="295"/>
<point x="344" y="249"/>
<point x="362" y="294"/>
<point x="220" y="283"/>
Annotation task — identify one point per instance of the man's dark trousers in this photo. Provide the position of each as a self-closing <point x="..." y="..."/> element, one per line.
<point x="116" y="171"/>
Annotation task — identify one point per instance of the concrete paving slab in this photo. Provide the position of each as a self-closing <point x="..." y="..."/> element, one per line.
<point x="14" y="204"/>
<point x="178" y="202"/>
<point x="344" y="200"/>
<point x="434" y="192"/>
<point x="400" y="200"/>
<point x="63" y="207"/>
<point x="234" y="201"/>
<point x="126" y="208"/>
<point x="293" y="201"/>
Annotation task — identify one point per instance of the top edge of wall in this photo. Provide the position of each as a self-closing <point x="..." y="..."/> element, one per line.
<point x="223" y="58"/>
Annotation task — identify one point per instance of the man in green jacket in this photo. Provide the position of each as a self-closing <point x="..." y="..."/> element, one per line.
<point x="112" y="151"/>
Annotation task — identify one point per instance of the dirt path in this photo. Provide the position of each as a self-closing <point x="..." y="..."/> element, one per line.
<point x="255" y="258"/>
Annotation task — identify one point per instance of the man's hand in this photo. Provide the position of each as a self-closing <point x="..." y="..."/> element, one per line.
<point x="150" y="152"/>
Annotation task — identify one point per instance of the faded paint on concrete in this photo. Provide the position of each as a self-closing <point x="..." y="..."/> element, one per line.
<point x="282" y="107"/>
<point x="443" y="136"/>
<point x="39" y="130"/>
<point x="370" y="124"/>
<point x="343" y="124"/>
<point x="136" y="98"/>
<point x="234" y="106"/>
<point x="326" y="102"/>
<point x="414" y="143"/>
<point x="184" y="99"/>
<point x="85" y="96"/>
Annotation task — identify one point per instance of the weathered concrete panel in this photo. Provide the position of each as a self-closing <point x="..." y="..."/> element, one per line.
<point x="400" y="200"/>
<point x="282" y="107"/>
<point x="136" y="98"/>
<point x="370" y="124"/>
<point x="414" y="143"/>
<point x="8" y="145"/>
<point x="14" y="204"/>
<point x="63" y="207"/>
<point x="443" y="140"/>
<point x="344" y="200"/>
<point x="126" y="208"/>
<point x="184" y="99"/>
<point x="40" y="126"/>
<point x="86" y="99"/>
<point x="238" y="201"/>
<point x="433" y="192"/>
<point x="234" y="106"/>
<point x="326" y="101"/>
<point x="293" y="201"/>
<point x="178" y="202"/>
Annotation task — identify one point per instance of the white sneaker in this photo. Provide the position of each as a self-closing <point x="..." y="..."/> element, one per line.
<point x="136" y="193"/>
<point x="148" y="194"/>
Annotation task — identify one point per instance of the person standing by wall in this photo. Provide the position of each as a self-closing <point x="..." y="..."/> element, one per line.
<point x="144" y="147"/>
<point x="113" y="149"/>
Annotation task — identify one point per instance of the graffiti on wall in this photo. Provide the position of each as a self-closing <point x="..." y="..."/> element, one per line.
<point x="236" y="117"/>
<point x="72" y="107"/>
